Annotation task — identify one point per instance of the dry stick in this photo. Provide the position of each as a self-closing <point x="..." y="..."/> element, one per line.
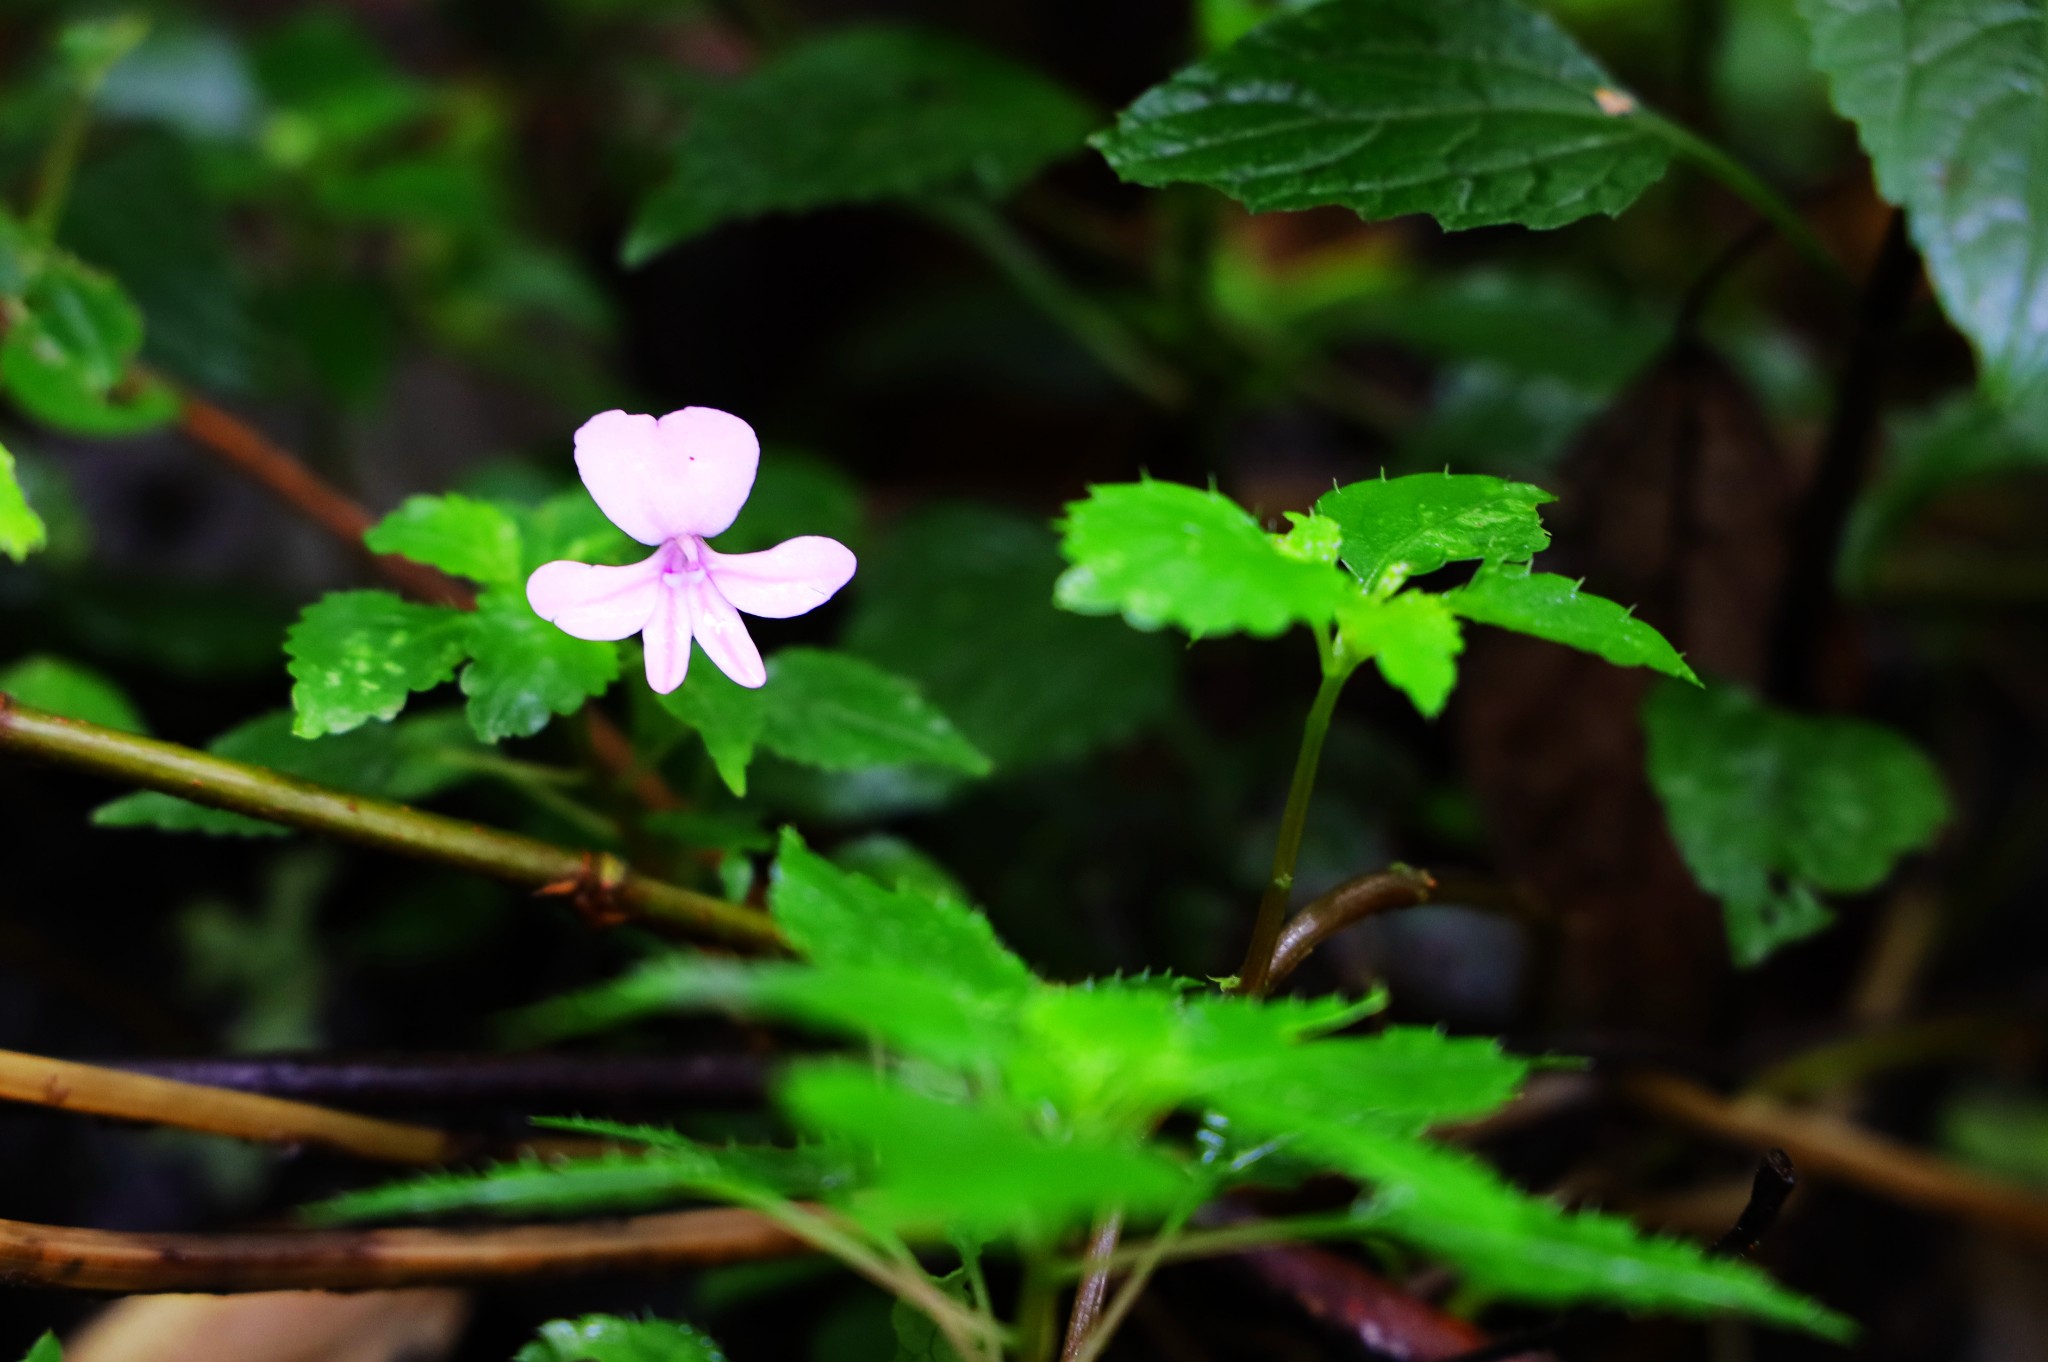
<point x="1827" y="1146"/>
<point x="139" y="1097"/>
<point x="601" y="885"/>
<point x="355" y="1260"/>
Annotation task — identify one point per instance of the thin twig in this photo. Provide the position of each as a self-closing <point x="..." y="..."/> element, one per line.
<point x="602" y="886"/>
<point x="1349" y="903"/>
<point x="70" y="1086"/>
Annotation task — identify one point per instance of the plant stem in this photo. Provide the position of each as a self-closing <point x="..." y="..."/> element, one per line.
<point x="601" y="885"/>
<point x="1255" y="975"/>
<point x="1098" y="330"/>
<point x="1747" y="186"/>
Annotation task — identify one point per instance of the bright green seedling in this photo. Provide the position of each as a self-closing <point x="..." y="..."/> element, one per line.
<point x="1773" y="809"/>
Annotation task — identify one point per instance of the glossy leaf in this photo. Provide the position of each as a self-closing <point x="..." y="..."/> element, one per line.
<point x="854" y="116"/>
<point x="456" y="534"/>
<point x="839" y="713"/>
<point x="1414" y="639"/>
<point x="1163" y="554"/>
<point x="523" y="670"/>
<point x="610" y="1338"/>
<point x="1947" y="96"/>
<point x="1771" y="808"/>
<point x="1551" y="607"/>
<point x="960" y="599"/>
<point x="832" y="916"/>
<point x="1477" y="112"/>
<point x="73" y="691"/>
<point x="22" y="531"/>
<point x="1397" y="528"/>
<point x="356" y="655"/>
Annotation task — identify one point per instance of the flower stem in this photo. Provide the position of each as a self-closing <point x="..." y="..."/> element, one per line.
<point x="600" y="885"/>
<point x="1256" y="972"/>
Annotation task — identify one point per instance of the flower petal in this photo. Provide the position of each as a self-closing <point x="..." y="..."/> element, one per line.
<point x="795" y="576"/>
<point x="688" y="473"/>
<point x="587" y="601"/>
<point x="667" y="638"/>
<point x="722" y="634"/>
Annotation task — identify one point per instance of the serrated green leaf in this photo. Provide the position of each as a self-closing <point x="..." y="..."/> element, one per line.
<point x="1947" y="97"/>
<point x="356" y="655"/>
<point x="984" y="1168"/>
<point x="1770" y="808"/>
<point x="71" y="690"/>
<point x="840" y="713"/>
<point x="1397" y="528"/>
<point x="22" y="531"/>
<point x="414" y="758"/>
<point x="608" y="1338"/>
<point x="523" y="670"/>
<point x="454" y="533"/>
<point x="728" y="717"/>
<point x="1477" y="112"/>
<point x="1552" y="607"/>
<point x="854" y="116"/>
<point x="959" y="599"/>
<point x="835" y="917"/>
<point x="1413" y="638"/>
<point x="1163" y="554"/>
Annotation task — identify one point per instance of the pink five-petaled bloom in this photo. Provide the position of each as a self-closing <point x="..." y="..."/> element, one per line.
<point x="674" y="483"/>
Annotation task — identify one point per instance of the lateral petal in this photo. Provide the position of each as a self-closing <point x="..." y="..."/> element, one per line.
<point x="795" y="576"/>
<point x="585" y="600"/>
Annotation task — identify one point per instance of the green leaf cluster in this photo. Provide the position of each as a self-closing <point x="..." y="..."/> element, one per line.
<point x="1773" y="809"/>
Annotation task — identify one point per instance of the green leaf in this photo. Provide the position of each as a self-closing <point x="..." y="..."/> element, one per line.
<point x="1770" y="808"/>
<point x="840" y="713"/>
<point x="854" y="116"/>
<point x="1477" y="112"/>
<point x="608" y="1338"/>
<point x="838" y="918"/>
<point x="959" y="599"/>
<point x="523" y="670"/>
<point x="415" y="758"/>
<point x="729" y="718"/>
<point x="73" y="691"/>
<point x="983" y="1169"/>
<point x="467" y="538"/>
<point x="1414" y="638"/>
<point x="356" y="655"/>
<point x="1947" y="97"/>
<point x="21" y="530"/>
<point x="1551" y="607"/>
<point x="1397" y="528"/>
<point x="1164" y="554"/>
<point x="45" y="1349"/>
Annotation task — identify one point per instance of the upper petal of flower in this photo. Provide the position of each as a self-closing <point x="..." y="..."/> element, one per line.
<point x="796" y="575"/>
<point x="688" y="473"/>
<point x="602" y="603"/>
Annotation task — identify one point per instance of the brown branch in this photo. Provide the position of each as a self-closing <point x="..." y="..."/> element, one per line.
<point x="1350" y="902"/>
<point x="354" y="1260"/>
<point x="601" y="885"/>
<point x="70" y="1086"/>
<point x="1829" y="1147"/>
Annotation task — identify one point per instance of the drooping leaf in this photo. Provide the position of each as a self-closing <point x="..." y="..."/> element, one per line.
<point x="454" y="533"/>
<point x="960" y="600"/>
<point x="839" y="713"/>
<point x="1414" y="639"/>
<point x="1397" y="528"/>
<point x="1552" y="607"/>
<point x="832" y="916"/>
<point x="1477" y="112"/>
<point x="414" y="758"/>
<point x="1947" y="96"/>
<point x="854" y="116"/>
<point x="523" y="670"/>
<point x="22" y="531"/>
<point x="1771" y="809"/>
<point x="1163" y="554"/>
<point x="609" y="1338"/>
<point x="356" y="655"/>
<point x="71" y="690"/>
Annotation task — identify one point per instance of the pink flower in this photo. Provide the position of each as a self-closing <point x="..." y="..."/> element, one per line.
<point x="674" y="483"/>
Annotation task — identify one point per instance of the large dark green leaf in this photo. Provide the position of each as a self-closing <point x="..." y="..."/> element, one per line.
<point x="1476" y="112"/>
